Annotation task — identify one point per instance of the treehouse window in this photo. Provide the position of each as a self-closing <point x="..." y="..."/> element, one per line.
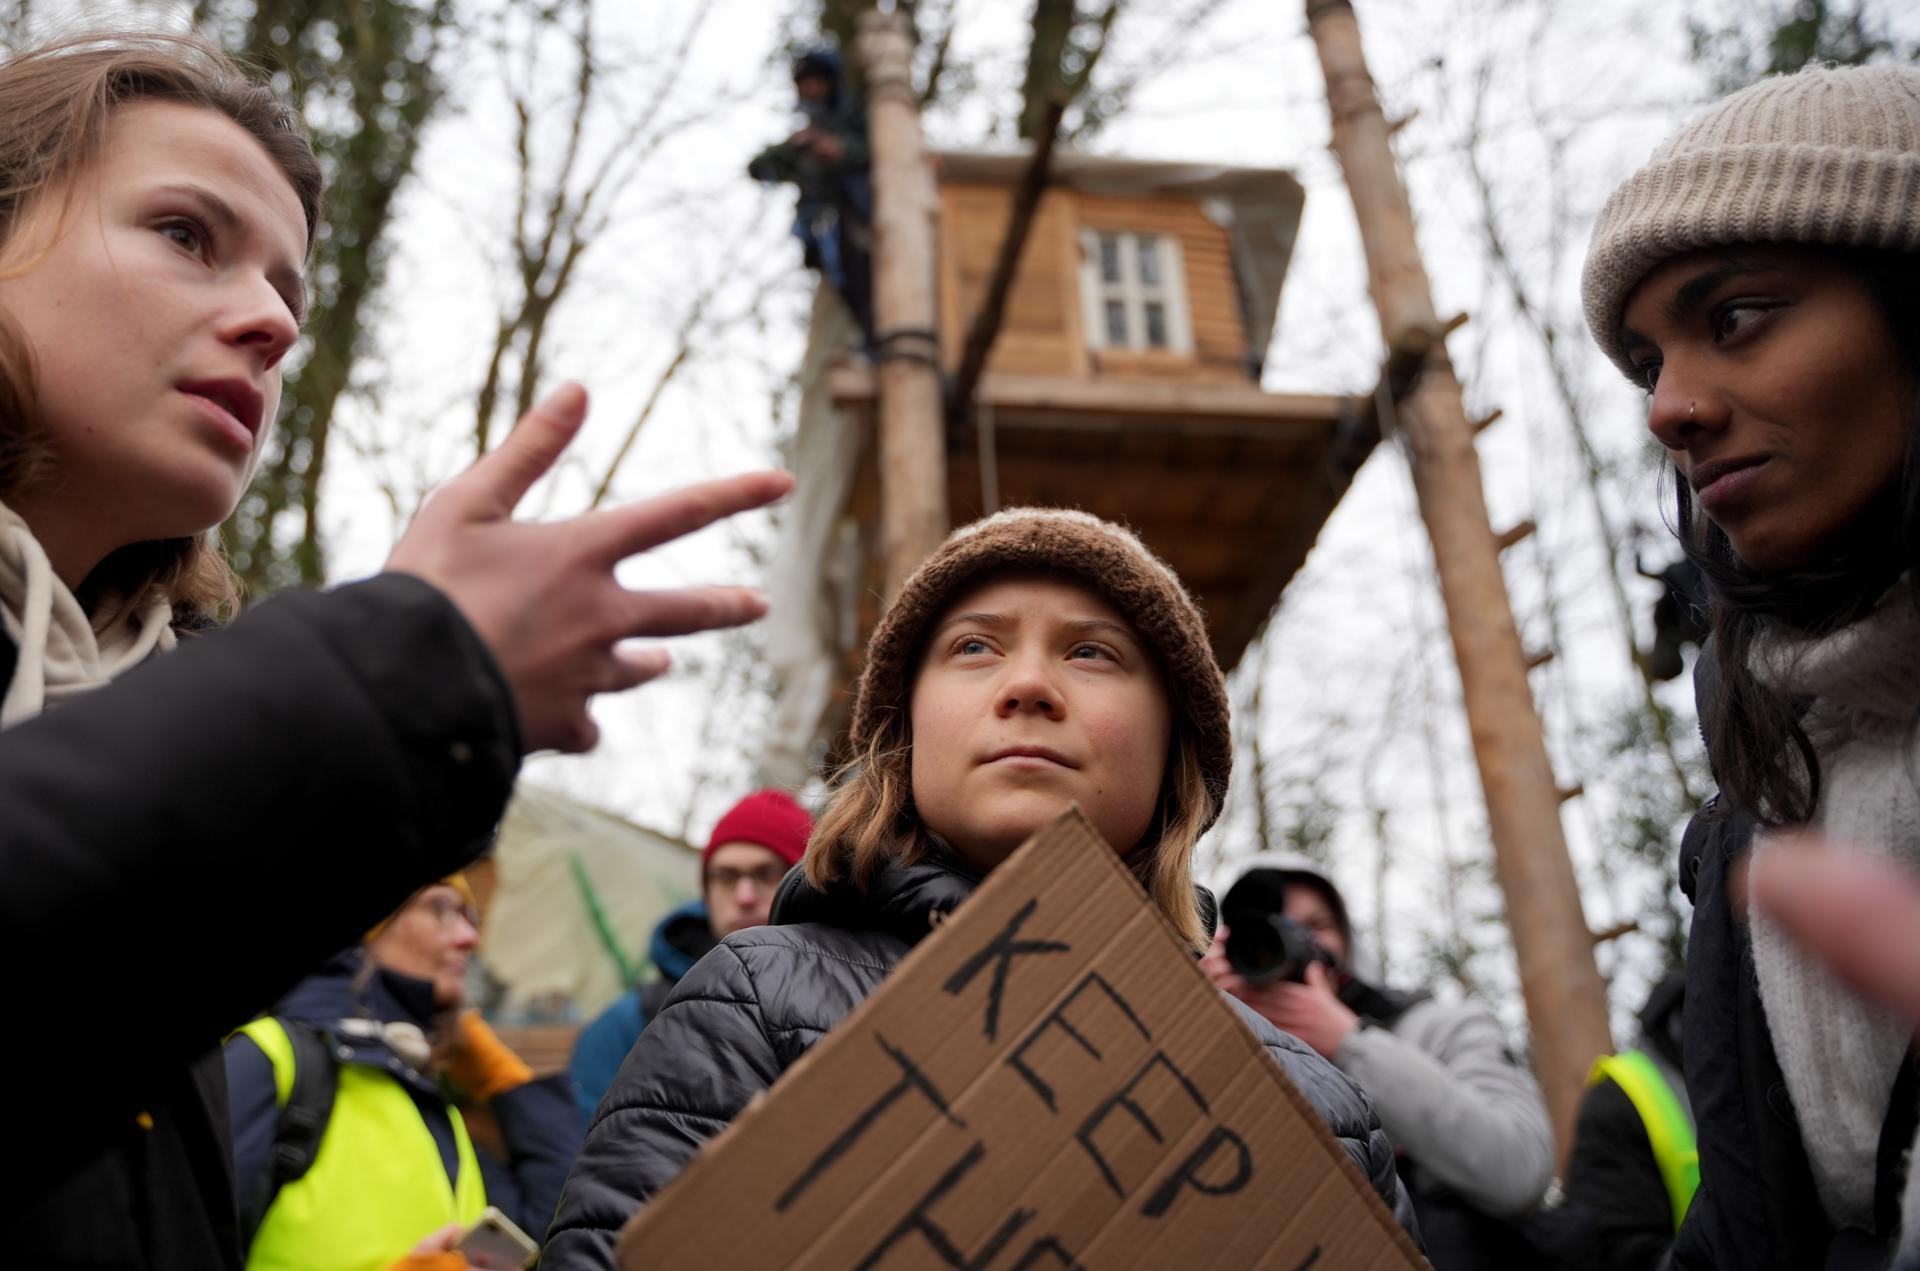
<point x="1133" y="292"/>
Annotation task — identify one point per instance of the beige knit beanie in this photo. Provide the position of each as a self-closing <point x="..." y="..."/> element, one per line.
<point x="1114" y="562"/>
<point x="1828" y="155"/>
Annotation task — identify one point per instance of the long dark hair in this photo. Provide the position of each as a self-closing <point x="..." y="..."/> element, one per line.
<point x="1760" y="754"/>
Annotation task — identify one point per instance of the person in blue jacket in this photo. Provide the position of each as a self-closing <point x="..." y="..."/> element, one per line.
<point x="753" y="846"/>
<point x="827" y="161"/>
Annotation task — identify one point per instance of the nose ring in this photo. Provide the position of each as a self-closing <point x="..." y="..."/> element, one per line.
<point x="1691" y="408"/>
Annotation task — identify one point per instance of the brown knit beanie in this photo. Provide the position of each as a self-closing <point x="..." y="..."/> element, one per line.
<point x="1114" y="563"/>
<point x="1829" y="155"/>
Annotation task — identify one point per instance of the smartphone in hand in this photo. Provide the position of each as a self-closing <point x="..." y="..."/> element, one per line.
<point x="493" y="1243"/>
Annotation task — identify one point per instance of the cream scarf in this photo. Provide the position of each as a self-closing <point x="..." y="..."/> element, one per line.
<point x="61" y="652"/>
<point x="1839" y="1054"/>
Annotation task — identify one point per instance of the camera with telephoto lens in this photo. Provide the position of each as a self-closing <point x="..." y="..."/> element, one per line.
<point x="1263" y="944"/>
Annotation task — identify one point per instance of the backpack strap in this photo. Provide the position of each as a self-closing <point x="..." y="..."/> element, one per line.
<point x="309" y="1105"/>
<point x="306" y="1072"/>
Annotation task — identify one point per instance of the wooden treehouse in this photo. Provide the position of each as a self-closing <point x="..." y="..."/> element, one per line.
<point x="1124" y="380"/>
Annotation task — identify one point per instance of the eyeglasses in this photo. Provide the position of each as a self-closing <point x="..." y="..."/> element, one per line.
<point x="765" y="877"/>
<point x="446" y="911"/>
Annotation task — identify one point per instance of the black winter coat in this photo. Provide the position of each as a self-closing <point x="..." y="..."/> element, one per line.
<point x="1757" y="1208"/>
<point x="181" y="846"/>
<point x="751" y="1008"/>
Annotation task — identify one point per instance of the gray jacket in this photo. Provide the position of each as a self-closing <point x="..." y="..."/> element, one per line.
<point x="1455" y="1100"/>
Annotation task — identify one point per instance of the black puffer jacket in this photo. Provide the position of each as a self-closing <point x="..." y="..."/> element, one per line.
<point x="759" y="1001"/>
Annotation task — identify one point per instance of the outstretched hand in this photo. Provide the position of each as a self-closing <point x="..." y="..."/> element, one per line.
<point x="543" y="596"/>
<point x="1858" y="914"/>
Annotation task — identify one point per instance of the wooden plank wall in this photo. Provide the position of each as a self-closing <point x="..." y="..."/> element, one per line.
<point x="1040" y="334"/>
<point x="1213" y="304"/>
<point x="1043" y="333"/>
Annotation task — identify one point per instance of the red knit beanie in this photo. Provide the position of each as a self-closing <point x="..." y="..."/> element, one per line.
<point x="765" y="818"/>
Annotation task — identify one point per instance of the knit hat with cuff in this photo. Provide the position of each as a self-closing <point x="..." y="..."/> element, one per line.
<point x="765" y="818"/>
<point x="1829" y="155"/>
<point x="1113" y="562"/>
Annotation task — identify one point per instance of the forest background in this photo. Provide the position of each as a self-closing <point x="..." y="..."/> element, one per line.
<point x="522" y="192"/>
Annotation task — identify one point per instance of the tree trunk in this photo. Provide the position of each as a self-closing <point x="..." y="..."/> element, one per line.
<point x="1566" y="1000"/>
<point x="912" y="427"/>
<point x="358" y="69"/>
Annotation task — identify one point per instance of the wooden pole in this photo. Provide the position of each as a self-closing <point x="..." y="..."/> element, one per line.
<point x="912" y="426"/>
<point x="1566" y="1001"/>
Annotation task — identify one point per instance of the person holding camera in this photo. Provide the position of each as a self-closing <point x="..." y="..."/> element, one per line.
<point x="1476" y="1151"/>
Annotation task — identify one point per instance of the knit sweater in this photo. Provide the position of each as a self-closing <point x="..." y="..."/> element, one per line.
<point x="1840" y="1054"/>
<point x="63" y="649"/>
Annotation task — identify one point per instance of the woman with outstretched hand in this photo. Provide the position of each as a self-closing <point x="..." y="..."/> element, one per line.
<point x="190" y="818"/>
<point x="1760" y="280"/>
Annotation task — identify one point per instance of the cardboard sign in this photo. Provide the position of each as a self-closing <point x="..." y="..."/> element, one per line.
<point x="1047" y="1081"/>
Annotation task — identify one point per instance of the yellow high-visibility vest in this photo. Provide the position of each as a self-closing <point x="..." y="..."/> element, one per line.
<point x="1669" y="1128"/>
<point x="377" y="1185"/>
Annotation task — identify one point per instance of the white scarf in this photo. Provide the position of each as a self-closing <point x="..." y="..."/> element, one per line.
<point x="1840" y="1054"/>
<point x="60" y="651"/>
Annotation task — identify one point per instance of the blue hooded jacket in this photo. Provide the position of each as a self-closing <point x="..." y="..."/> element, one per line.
<point x="679" y="941"/>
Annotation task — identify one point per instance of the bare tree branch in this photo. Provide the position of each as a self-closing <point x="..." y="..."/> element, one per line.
<point x="1573" y="408"/>
<point x="575" y="209"/>
<point x="1099" y="107"/>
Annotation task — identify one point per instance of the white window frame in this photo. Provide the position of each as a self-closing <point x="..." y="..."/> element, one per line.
<point x="1131" y="292"/>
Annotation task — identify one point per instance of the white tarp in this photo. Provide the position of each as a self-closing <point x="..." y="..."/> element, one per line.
<point x="813" y="578"/>
<point x="541" y="939"/>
